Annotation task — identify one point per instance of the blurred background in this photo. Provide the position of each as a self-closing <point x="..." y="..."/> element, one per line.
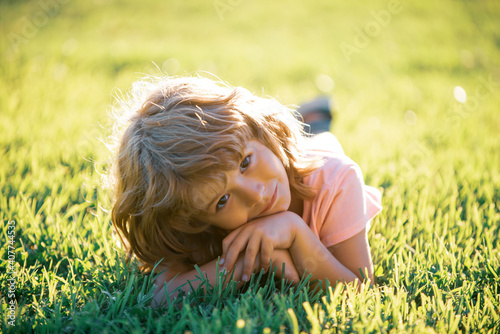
<point x="392" y="65"/>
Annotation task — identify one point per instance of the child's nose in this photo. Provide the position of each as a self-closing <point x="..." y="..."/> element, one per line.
<point x="253" y="192"/>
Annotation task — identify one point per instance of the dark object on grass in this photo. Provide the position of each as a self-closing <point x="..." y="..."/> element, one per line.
<point x="318" y="114"/>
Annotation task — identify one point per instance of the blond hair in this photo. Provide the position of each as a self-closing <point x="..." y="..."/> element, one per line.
<point x="175" y="134"/>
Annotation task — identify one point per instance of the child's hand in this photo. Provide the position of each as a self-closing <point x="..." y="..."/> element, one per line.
<point x="281" y="256"/>
<point x="262" y="235"/>
<point x="278" y="257"/>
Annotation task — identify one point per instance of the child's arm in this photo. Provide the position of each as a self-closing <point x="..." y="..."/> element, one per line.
<point x="347" y="261"/>
<point x="179" y="274"/>
<point x="287" y="230"/>
<point x="355" y="254"/>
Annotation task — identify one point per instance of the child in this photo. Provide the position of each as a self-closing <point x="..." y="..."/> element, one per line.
<point x="204" y="170"/>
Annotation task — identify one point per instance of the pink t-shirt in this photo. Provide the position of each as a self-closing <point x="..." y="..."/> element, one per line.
<point x="344" y="205"/>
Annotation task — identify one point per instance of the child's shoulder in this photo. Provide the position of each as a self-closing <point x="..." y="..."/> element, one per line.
<point x="336" y="164"/>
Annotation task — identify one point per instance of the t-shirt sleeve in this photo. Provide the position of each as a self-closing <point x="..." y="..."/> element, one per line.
<point x="344" y="205"/>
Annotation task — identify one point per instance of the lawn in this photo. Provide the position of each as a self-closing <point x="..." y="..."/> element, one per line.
<point x="417" y="88"/>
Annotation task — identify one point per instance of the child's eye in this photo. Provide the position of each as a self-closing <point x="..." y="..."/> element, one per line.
<point x="222" y="202"/>
<point x="245" y="163"/>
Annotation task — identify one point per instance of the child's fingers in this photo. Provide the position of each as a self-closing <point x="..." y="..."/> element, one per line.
<point x="228" y="240"/>
<point x="291" y="273"/>
<point x="251" y="252"/>
<point x="234" y="250"/>
<point x="236" y="271"/>
<point x="226" y="246"/>
<point x="266" y="250"/>
<point x="279" y="269"/>
<point x="229" y="260"/>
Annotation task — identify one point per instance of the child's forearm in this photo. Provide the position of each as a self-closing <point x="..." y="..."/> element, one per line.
<point x="166" y="286"/>
<point x="312" y="257"/>
<point x="209" y="270"/>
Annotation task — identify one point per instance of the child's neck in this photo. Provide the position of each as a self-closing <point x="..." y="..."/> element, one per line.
<point x="296" y="205"/>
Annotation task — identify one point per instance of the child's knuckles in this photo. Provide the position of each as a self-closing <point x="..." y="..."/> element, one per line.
<point x="226" y="242"/>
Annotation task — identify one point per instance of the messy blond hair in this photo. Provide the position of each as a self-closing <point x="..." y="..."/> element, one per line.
<point x="175" y="134"/>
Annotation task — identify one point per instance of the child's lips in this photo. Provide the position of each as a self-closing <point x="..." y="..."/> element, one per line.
<point x="271" y="202"/>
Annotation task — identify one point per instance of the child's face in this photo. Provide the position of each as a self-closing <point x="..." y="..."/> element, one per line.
<point x="258" y="188"/>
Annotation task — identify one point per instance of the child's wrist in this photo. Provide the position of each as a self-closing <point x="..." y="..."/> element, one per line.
<point x="297" y="225"/>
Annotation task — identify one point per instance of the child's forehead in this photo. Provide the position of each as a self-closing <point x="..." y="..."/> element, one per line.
<point x="206" y="192"/>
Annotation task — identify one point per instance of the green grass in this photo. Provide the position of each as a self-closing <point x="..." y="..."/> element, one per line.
<point x="435" y="245"/>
